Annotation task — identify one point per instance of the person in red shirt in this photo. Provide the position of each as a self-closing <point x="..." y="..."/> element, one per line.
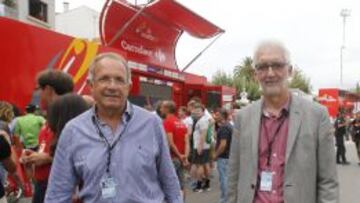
<point x="177" y="134"/>
<point x="52" y="84"/>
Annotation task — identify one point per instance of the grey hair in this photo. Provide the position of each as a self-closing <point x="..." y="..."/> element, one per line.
<point x="271" y="44"/>
<point x="110" y="55"/>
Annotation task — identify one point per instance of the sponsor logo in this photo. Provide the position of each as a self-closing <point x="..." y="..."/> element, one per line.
<point x="139" y="49"/>
<point x="136" y="49"/>
<point x="145" y="32"/>
<point x="78" y="57"/>
<point x="327" y="98"/>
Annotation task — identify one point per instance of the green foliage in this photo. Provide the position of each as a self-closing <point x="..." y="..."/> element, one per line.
<point x="250" y="86"/>
<point x="244" y="79"/>
<point x="221" y="78"/>
<point x="300" y="81"/>
<point x="356" y="90"/>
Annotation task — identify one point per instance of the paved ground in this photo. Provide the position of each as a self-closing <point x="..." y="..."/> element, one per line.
<point x="349" y="177"/>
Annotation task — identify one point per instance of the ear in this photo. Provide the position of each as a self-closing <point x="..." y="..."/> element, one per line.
<point x="91" y="85"/>
<point x="129" y="88"/>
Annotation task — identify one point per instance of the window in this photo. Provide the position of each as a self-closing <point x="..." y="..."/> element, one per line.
<point x="38" y="10"/>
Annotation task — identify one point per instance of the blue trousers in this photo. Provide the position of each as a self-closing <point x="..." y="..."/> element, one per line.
<point x="222" y="166"/>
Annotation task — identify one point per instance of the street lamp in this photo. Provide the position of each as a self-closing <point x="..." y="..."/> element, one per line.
<point x="344" y="13"/>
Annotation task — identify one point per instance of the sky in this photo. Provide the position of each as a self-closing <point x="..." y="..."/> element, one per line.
<point x="311" y="29"/>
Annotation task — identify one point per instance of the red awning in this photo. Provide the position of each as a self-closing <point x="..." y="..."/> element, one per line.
<point x="184" y="19"/>
<point x="149" y="35"/>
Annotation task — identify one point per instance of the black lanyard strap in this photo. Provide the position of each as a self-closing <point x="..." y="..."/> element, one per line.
<point x="110" y="146"/>
<point x="271" y="142"/>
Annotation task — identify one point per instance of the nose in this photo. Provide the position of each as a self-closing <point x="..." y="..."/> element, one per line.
<point x="113" y="82"/>
<point x="270" y="71"/>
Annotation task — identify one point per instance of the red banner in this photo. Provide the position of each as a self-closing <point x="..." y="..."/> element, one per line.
<point x="150" y="35"/>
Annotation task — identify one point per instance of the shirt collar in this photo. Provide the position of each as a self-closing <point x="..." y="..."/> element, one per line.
<point x="284" y="109"/>
<point x="125" y="118"/>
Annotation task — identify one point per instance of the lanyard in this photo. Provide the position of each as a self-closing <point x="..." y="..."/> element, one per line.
<point x="271" y="142"/>
<point x="110" y="146"/>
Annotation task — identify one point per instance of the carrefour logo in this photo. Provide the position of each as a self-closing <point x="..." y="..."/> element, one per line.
<point x="159" y="55"/>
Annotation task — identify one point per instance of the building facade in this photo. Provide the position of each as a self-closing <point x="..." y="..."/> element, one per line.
<point x="81" y="22"/>
<point x="36" y="12"/>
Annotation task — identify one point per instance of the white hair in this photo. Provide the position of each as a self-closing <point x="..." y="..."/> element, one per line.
<point x="110" y="55"/>
<point x="271" y="44"/>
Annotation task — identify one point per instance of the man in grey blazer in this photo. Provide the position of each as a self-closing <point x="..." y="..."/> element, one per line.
<point x="282" y="148"/>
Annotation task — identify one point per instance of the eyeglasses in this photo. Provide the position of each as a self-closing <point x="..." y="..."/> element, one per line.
<point x="109" y="80"/>
<point x="275" y="66"/>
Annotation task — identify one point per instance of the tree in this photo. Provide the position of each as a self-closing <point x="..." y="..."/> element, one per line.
<point x="356" y="90"/>
<point x="221" y="78"/>
<point x="245" y="70"/>
<point x="244" y="79"/>
<point x="300" y="81"/>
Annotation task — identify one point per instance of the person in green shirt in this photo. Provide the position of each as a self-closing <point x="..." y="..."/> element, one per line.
<point x="27" y="128"/>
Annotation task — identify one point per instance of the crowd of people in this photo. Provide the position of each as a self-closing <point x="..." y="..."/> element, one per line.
<point x="103" y="148"/>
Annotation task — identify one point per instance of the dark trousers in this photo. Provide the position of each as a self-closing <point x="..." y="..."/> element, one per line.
<point x="357" y="144"/>
<point x="340" y="153"/>
<point x="39" y="191"/>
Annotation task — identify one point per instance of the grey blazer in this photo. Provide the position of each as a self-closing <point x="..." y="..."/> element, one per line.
<point x="310" y="168"/>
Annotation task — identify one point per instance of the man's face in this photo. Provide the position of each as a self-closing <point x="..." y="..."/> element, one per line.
<point x="109" y="87"/>
<point x="181" y="113"/>
<point x="197" y="113"/>
<point x="272" y="71"/>
<point x="163" y="110"/>
<point x="217" y="117"/>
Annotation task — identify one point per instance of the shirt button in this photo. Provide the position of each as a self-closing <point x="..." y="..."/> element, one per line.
<point x="274" y="192"/>
<point x="274" y="173"/>
<point x="274" y="155"/>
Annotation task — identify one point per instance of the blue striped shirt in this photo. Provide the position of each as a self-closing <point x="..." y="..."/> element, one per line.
<point x="140" y="163"/>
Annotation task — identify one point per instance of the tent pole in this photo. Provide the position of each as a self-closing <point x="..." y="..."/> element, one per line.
<point x="199" y="54"/>
<point x="126" y="25"/>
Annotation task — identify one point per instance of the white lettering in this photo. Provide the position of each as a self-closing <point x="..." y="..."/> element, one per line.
<point x="136" y="49"/>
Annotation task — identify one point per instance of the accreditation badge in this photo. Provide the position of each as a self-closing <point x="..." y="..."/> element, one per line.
<point x="108" y="187"/>
<point x="266" y="180"/>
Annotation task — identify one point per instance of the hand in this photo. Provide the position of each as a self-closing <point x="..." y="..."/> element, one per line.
<point x="3" y="132"/>
<point x="184" y="160"/>
<point x="25" y="153"/>
<point x="38" y="159"/>
<point x="186" y="163"/>
<point x="182" y="157"/>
